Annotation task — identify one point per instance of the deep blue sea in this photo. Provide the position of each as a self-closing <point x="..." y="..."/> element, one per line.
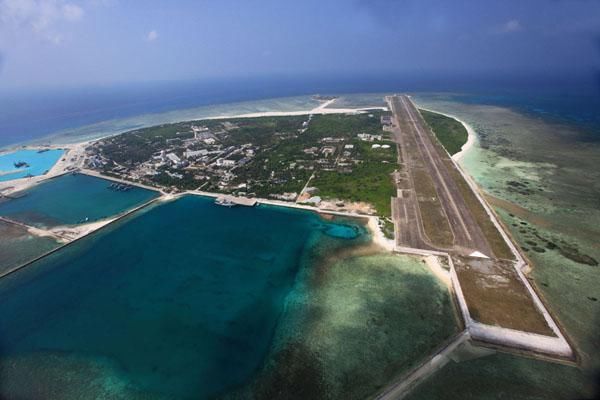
<point x="580" y="110"/>
<point x="31" y="114"/>
<point x="180" y="301"/>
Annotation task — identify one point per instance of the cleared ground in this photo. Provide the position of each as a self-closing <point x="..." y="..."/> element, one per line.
<point x="437" y="209"/>
<point x="415" y="137"/>
<point x="493" y="285"/>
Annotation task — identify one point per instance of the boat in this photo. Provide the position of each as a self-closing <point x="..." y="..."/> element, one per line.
<point x="222" y="201"/>
<point x="20" y="164"/>
<point x="119" y="187"/>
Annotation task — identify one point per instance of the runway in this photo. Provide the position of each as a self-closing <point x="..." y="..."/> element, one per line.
<point x="420" y="152"/>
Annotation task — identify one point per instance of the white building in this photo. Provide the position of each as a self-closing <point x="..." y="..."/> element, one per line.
<point x="195" y="153"/>
<point x="173" y="158"/>
<point x="223" y="162"/>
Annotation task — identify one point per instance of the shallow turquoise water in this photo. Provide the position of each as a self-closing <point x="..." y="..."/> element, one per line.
<point x="72" y="199"/>
<point x="180" y="301"/>
<point x="17" y="246"/>
<point x="343" y="231"/>
<point x="39" y="163"/>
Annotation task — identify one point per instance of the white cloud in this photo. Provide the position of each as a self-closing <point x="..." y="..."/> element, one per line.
<point x="510" y="26"/>
<point x="72" y="12"/>
<point x="45" y="18"/>
<point x="152" y="36"/>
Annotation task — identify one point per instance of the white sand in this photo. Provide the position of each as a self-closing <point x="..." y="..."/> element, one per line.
<point x="321" y="109"/>
<point x="471" y="138"/>
<point x="70" y="233"/>
<point x="378" y="236"/>
<point x="435" y="267"/>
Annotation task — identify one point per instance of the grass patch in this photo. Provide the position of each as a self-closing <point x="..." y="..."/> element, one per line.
<point x="451" y="133"/>
<point x="493" y="236"/>
<point x="496" y="241"/>
<point x="434" y="220"/>
<point x="370" y="180"/>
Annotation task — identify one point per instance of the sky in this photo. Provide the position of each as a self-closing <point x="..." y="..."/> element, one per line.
<point x="96" y="42"/>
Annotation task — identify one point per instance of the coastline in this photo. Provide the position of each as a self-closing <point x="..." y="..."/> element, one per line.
<point x="295" y="105"/>
<point x="471" y="134"/>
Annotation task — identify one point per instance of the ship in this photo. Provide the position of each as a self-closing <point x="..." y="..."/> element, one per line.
<point x="20" y="164"/>
<point x="222" y="201"/>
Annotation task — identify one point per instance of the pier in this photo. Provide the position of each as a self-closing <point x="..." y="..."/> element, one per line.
<point x="236" y="201"/>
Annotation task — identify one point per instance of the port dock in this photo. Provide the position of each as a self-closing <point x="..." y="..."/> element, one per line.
<point x="230" y="201"/>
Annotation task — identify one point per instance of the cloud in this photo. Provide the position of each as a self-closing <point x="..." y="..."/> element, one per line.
<point x="72" y="12"/>
<point x="44" y="18"/>
<point x="152" y="36"/>
<point x="510" y="26"/>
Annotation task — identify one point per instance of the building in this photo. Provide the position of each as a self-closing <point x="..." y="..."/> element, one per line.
<point x="199" y="130"/>
<point x="223" y="162"/>
<point x="173" y="158"/>
<point x="195" y="153"/>
<point x="327" y="150"/>
<point x="369" y="138"/>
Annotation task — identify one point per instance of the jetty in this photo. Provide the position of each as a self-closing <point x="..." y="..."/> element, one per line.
<point x="230" y="201"/>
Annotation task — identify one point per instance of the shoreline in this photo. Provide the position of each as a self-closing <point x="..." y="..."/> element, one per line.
<point x="471" y="134"/>
<point x="54" y="138"/>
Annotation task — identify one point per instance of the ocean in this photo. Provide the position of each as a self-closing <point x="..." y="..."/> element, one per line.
<point x="186" y="299"/>
<point x="536" y="157"/>
<point x="71" y="114"/>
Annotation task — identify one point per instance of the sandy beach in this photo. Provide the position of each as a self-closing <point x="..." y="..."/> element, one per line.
<point x="472" y="135"/>
<point x="321" y="109"/>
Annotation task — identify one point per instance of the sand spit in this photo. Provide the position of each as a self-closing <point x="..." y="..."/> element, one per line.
<point x="322" y="109"/>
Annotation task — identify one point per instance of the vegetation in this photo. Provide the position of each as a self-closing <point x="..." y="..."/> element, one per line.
<point x="370" y="181"/>
<point x="492" y="235"/>
<point x="285" y="153"/>
<point x="451" y="133"/>
<point x="435" y="223"/>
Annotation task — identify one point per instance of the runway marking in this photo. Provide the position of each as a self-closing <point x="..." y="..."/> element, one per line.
<point x="441" y="179"/>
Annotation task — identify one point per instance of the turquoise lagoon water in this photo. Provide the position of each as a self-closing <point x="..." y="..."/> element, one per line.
<point x="72" y="199"/>
<point x="18" y="246"/>
<point x="180" y="301"/>
<point x="39" y="163"/>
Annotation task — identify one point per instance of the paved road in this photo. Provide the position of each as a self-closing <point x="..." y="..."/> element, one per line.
<point x="468" y="236"/>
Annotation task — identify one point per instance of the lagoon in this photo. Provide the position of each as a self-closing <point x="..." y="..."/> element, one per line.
<point x="71" y="199"/>
<point x="39" y="163"/>
<point x="179" y="301"/>
<point x="188" y="300"/>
